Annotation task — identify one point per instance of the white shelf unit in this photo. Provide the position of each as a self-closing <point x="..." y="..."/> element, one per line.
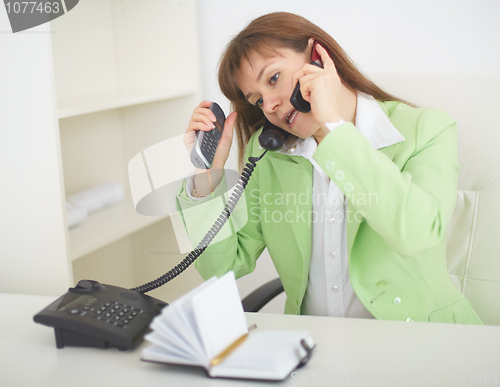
<point x="126" y="77"/>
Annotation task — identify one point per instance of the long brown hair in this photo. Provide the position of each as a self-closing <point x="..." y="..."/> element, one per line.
<point x="265" y="36"/>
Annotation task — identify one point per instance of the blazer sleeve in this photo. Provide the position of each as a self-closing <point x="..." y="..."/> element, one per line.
<point x="409" y="201"/>
<point x="239" y="243"/>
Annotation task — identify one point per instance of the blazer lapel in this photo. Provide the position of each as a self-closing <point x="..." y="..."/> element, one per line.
<point x="294" y="176"/>
<point x="352" y="229"/>
<point x="390" y="151"/>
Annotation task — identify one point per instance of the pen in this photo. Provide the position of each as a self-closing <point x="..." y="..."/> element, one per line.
<point x="221" y="356"/>
<point x="225" y="353"/>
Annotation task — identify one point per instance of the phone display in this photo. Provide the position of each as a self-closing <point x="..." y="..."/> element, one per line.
<point x="205" y="145"/>
<point x="297" y="101"/>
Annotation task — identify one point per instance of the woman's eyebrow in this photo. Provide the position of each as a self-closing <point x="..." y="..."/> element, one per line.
<point x="247" y="96"/>
<point x="262" y="70"/>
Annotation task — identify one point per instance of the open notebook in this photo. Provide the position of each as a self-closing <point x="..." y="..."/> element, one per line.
<point x="206" y="327"/>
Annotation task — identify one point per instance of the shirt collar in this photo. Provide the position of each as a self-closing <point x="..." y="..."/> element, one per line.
<point x="371" y="121"/>
<point x="374" y="124"/>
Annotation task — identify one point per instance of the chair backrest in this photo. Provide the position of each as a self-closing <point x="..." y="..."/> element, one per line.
<point x="473" y="239"/>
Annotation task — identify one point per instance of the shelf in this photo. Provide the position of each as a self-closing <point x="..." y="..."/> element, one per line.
<point x="71" y="107"/>
<point x="108" y="226"/>
<point x="120" y="88"/>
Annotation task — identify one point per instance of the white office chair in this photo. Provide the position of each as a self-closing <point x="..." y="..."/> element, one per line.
<point x="473" y="239"/>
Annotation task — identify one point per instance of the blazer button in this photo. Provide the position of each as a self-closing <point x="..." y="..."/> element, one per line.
<point x="396" y="301"/>
<point x="330" y="165"/>
<point x="409" y="319"/>
<point x="381" y="283"/>
<point x="348" y="188"/>
<point x="339" y="175"/>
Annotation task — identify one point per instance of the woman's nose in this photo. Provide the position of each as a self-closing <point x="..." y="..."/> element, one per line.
<point x="271" y="103"/>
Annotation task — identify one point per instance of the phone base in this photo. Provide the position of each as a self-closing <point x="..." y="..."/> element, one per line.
<point x="65" y="338"/>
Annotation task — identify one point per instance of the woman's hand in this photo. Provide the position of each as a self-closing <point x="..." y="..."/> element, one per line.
<point x="203" y="119"/>
<point x="322" y="88"/>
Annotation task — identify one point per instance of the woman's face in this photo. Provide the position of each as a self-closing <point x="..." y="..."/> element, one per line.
<point x="268" y="84"/>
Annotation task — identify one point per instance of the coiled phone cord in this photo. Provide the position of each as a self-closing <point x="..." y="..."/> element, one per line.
<point x="210" y="235"/>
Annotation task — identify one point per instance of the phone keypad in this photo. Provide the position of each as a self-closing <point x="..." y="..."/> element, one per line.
<point x="209" y="144"/>
<point x="116" y="313"/>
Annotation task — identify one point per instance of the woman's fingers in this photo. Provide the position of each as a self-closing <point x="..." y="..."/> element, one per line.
<point x="203" y="119"/>
<point x="327" y="61"/>
<point x="321" y="88"/>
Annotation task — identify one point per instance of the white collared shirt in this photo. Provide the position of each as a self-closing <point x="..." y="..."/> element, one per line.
<point x="329" y="291"/>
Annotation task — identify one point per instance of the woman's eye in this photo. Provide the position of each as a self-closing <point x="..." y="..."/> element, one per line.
<point x="274" y="79"/>
<point x="272" y="82"/>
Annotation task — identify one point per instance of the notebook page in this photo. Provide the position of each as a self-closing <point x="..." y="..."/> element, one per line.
<point x="265" y="355"/>
<point x="170" y="348"/>
<point x="171" y="341"/>
<point x="179" y="329"/>
<point x="219" y="314"/>
<point x="174" y="330"/>
<point x="156" y="354"/>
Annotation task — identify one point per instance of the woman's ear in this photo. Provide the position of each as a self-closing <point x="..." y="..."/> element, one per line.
<point x="310" y="43"/>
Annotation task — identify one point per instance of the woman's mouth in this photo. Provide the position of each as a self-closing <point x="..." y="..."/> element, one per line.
<point x="291" y="116"/>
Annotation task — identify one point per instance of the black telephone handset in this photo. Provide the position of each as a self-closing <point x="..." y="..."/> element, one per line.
<point x="272" y="137"/>
<point x="297" y="101"/>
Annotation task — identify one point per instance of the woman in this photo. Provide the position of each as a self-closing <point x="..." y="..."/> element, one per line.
<point x="354" y="210"/>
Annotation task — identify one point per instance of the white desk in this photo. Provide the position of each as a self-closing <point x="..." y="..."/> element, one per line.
<point x="349" y="352"/>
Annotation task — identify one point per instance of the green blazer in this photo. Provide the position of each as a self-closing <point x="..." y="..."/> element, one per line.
<point x="400" y="199"/>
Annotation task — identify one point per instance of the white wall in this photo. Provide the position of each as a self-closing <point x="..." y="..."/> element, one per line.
<point x="379" y="35"/>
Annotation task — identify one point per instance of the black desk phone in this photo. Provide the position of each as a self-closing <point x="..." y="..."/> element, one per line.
<point x="97" y="315"/>
<point x="105" y="316"/>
